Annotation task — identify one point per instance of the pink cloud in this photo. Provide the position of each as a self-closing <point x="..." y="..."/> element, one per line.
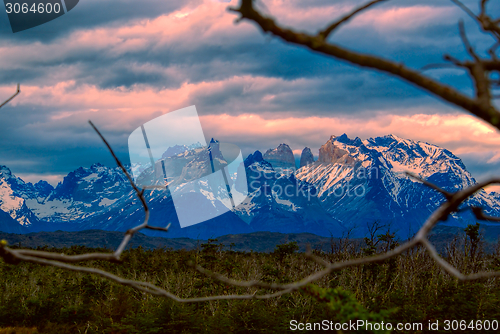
<point x="404" y="18"/>
<point x="188" y="28"/>
<point x="461" y="134"/>
<point x="311" y="18"/>
<point x="125" y="109"/>
<point x="120" y="109"/>
<point x="210" y="23"/>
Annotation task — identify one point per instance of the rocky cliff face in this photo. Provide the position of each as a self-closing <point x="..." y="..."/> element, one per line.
<point x="14" y="192"/>
<point x="359" y="182"/>
<point x="306" y="157"/>
<point x="332" y="153"/>
<point x="278" y="202"/>
<point x="281" y="157"/>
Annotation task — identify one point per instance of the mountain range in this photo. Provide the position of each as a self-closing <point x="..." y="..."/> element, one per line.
<point x="352" y="184"/>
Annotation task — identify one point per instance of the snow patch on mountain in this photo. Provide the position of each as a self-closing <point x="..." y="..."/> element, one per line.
<point x="354" y="182"/>
<point x="11" y="204"/>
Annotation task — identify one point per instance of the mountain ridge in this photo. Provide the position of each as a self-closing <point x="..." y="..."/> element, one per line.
<point x="353" y="183"/>
<point x="255" y="241"/>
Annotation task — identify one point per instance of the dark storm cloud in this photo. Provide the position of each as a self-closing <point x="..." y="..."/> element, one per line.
<point x="32" y="144"/>
<point x="275" y="79"/>
<point x="91" y="14"/>
<point x="252" y="56"/>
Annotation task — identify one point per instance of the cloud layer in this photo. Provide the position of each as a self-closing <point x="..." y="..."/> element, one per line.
<point x="121" y="66"/>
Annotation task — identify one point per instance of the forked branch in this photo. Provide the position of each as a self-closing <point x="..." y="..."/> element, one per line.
<point x="479" y="105"/>
<point x="452" y="203"/>
<point x="15" y="256"/>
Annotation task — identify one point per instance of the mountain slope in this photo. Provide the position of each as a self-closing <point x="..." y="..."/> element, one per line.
<point x="14" y="213"/>
<point x="363" y="181"/>
<point x="353" y="183"/>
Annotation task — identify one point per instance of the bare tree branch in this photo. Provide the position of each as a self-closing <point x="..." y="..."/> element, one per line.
<point x="456" y="62"/>
<point x="446" y="194"/>
<point x="476" y="106"/>
<point x="13" y="96"/>
<point x="465" y="9"/>
<point x="465" y="40"/>
<point x="478" y="212"/>
<point x="479" y="105"/>
<point x="486" y="23"/>
<point x="328" y="30"/>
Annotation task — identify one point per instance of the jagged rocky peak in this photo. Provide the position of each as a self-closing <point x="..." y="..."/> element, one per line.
<point x="178" y="149"/>
<point x="214" y="144"/>
<point x="5" y="172"/>
<point x="43" y="188"/>
<point x="253" y="158"/>
<point x="98" y="168"/>
<point x="388" y="141"/>
<point x="281" y="157"/>
<point x="331" y="151"/>
<point x="174" y="150"/>
<point x="215" y="149"/>
<point x="306" y="157"/>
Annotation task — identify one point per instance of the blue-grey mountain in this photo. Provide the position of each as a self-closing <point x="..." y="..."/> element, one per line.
<point x="353" y="183"/>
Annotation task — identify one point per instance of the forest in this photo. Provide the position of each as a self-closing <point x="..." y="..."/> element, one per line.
<point x="410" y="288"/>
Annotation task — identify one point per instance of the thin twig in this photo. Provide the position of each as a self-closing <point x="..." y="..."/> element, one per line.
<point x="465" y="9"/>
<point x="478" y="212"/>
<point x="318" y="44"/>
<point x="328" y="30"/>
<point x="446" y="194"/>
<point x="13" y="96"/>
<point x="465" y="41"/>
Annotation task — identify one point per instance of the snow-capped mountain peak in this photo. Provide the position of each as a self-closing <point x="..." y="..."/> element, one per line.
<point x="353" y="183"/>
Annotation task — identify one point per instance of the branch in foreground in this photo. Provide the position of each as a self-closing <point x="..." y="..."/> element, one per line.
<point x="478" y="212"/>
<point x="13" y="96"/>
<point x="327" y="31"/>
<point x="421" y="238"/>
<point x="480" y="105"/>
<point x="15" y="256"/>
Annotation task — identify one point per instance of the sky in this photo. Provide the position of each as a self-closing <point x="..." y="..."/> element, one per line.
<point x="121" y="63"/>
